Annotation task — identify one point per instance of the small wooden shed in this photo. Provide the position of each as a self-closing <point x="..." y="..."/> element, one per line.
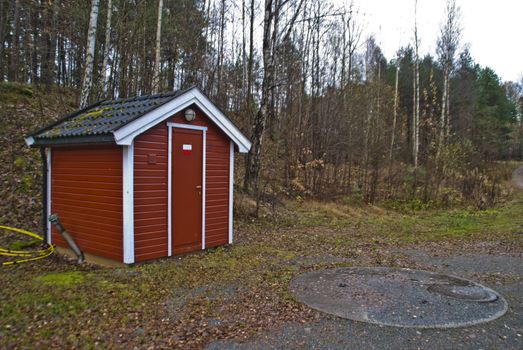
<point x="141" y="178"/>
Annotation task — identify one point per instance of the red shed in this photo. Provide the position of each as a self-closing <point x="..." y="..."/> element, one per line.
<point x="142" y="178"/>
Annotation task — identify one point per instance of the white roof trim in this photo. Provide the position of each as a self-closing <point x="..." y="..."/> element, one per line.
<point x="126" y="134"/>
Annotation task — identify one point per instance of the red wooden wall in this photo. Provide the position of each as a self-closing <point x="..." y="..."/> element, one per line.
<point x="150" y="187"/>
<point x="86" y="193"/>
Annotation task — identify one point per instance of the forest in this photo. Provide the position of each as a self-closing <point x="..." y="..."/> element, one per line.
<point x="330" y="117"/>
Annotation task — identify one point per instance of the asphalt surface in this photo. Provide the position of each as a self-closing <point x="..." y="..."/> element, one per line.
<point x="333" y="332"/>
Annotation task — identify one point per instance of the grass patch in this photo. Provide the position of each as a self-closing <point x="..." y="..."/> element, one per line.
<point x="62" y="279"/>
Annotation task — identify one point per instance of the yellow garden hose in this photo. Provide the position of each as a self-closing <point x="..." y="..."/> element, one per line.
<point x="27" y="255"/>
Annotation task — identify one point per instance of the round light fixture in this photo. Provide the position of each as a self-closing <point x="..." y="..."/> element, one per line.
<point x="190" y="115"/>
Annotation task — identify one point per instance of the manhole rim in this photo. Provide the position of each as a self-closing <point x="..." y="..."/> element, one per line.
<point x="449" y="325"/>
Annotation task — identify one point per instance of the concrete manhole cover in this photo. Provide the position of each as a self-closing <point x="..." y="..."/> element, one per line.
<point x="398" y="297"/>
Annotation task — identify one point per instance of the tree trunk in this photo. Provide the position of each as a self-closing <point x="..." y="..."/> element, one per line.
<point x="415" y="121"/>
<point x="157" y="61"/>
<point x="221" y="44"/>
<point x="15" y="50"/>
<point x="35" y="26"/>
<point x="89" y="59"/>
<point x="253" y="161"/>
<point x="444" y="116"/>
<point x="104" y="79"/>
<point x="244" y="54"/>
<point x="251" y="58"/>
<point x="395" y="115"/>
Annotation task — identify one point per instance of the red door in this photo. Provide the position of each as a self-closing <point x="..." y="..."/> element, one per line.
<point x="187" y="164"/>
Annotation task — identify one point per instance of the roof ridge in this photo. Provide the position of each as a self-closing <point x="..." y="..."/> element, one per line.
<point x="142" y="97"/>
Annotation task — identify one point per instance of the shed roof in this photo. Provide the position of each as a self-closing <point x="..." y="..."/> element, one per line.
<point x="120" y="121"/>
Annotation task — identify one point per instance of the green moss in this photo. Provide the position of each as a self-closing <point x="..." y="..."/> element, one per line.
<point x="15" y="92"/>
<point x="62" y="279"/>
<point x="53" y="133"/>
<point x="20" y="245"/>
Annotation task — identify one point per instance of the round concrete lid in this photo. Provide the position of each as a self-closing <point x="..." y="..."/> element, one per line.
<point x="398" y="297"/>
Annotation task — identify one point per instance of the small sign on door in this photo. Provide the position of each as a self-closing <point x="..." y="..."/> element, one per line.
<point x="187" y="149"/>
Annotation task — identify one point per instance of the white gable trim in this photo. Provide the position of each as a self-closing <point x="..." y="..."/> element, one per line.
<point x="126" y="134"/>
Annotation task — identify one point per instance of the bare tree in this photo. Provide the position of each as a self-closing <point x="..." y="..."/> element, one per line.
<point x="269" y="48"/>
<point x="157" y="58"/>
<point x="253" y="163"/>
<point x="351" y="40"/>
<point x="447" y="46"/>
<point x="89" y="59"/>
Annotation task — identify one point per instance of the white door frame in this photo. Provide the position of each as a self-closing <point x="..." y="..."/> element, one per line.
<point x="170" y="127"/>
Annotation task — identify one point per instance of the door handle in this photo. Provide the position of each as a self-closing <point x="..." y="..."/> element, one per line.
<point x="199" y="188"/>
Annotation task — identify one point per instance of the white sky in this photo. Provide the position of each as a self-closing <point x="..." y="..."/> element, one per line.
<point x="493" y="29"/>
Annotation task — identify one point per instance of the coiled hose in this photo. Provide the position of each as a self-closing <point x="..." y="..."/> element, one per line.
<point x="27" y="255"/>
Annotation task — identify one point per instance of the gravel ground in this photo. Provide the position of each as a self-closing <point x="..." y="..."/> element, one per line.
<point x="336" y="333"/>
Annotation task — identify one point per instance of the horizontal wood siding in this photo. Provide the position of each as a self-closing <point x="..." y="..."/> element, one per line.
<point x="217" y="188"/>
<point x="150" y="194"/>
<point x="150" y="187"/>
<point x="86" y="192"/>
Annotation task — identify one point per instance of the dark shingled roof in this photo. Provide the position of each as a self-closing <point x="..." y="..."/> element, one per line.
<point x="102" y="118"/>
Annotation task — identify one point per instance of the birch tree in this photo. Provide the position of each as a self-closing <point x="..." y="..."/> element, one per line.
<point x="107" y="44"/>
<point x="157" y="56"/>
<point x="447" y="46"/>
<point x="89" y="59"/>
<point x="415" y="109"/>
<point x="395" y="113"/>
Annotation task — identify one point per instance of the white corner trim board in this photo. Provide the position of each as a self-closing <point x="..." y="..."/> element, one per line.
<point x="169" y="189"/>
<point x="231" y="189"/>
<point x="203" y="129"/>
<point x="128" y="203"/>
<point x="126" y="134"/>
<point x="204" y="189"/>
<point x="48" y="175"/>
